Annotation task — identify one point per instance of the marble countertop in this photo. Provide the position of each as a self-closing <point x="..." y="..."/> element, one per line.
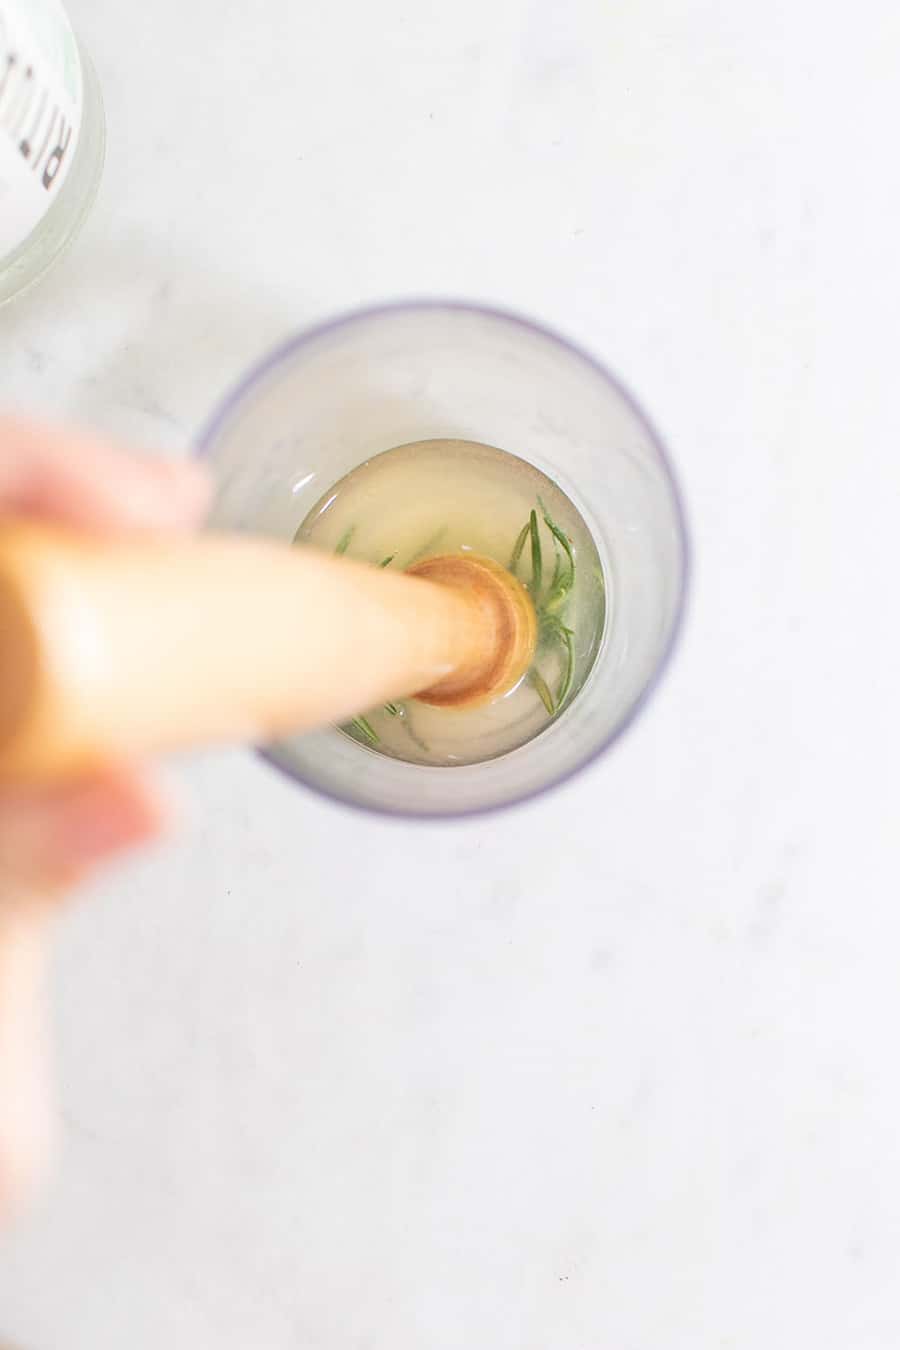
<point x="343" y="1084"/>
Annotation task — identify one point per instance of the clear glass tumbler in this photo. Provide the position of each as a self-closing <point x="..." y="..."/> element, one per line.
<point x="338" y="394"/>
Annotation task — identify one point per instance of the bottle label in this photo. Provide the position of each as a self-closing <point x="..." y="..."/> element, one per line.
<point x="40" y="113"/>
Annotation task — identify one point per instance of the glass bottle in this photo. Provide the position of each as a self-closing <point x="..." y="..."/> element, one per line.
<point x="52" y="139"/>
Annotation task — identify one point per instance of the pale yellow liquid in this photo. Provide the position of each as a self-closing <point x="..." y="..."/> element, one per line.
<point x="446" y="496"/>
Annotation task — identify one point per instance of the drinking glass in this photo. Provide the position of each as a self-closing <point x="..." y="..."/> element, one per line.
<point x="335" y="395"/>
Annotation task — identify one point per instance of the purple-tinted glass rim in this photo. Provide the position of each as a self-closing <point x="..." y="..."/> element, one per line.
<point x="307" y="336"/>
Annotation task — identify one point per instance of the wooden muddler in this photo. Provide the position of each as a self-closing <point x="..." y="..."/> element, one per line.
<point x="111" y="649"/>
<point x="116" y="648"/>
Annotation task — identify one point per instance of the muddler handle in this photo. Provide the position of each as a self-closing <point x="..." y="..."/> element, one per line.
<point x="116" y="648"/>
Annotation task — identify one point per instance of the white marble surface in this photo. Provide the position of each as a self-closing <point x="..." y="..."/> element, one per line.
<point x="619" y="1070"/>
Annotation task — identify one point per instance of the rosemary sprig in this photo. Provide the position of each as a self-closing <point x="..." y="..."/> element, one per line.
<point x="543" y="689"/>
<point x="364" y="728"/>
<point x="519" y="545"/>
<point x="564" y="572"/>
<point x="567" y="637"/>
<point x="550" y="604"/>
<point x="537" y="566"/>
<point x="344" y="541"/>
<point x="557" y="565"/>
<point x="553" y="630"/>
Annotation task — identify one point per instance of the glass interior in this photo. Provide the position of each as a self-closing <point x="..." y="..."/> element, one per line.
<point x="333" y="397"/>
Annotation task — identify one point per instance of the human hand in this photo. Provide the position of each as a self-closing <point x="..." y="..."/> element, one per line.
<point x="52" y="838"/>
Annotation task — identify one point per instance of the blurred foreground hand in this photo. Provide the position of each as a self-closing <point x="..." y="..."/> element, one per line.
<point x="52" y="839"/>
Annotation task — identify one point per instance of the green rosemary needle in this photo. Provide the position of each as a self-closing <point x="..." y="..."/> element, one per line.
<point x="344" y="541"/>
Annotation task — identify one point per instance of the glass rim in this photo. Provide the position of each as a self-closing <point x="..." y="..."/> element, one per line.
<point x="305" y="337"/>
